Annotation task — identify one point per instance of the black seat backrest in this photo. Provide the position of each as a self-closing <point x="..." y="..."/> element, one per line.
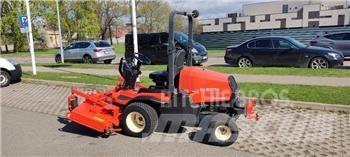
<point x="179" y="61"/>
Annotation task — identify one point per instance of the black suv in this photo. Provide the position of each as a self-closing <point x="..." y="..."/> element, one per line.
<point x="155" y="45"/>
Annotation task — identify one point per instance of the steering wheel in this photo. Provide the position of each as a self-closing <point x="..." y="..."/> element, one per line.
<point x="142" y="59"/>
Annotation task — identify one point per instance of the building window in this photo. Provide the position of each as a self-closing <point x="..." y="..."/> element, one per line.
<point x="285" y="8"/>
<point x="252" y="19"/>
<point x="314" y="14"/>
<point x="217" y="21"/>
<point x="313" y="24"/>
<point x="267" y="17"/>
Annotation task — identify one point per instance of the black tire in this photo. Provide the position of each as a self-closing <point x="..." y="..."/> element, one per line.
<point x="58" y="59"/>
<point x="108" y="61"/>
<point x="319" y="63"/>
<point x="244" y="62"/>
<point x="214" y="122"/>
<point x="5" y="78"/>
<point x="87" y="59"/>
<point x="149" y="118"/>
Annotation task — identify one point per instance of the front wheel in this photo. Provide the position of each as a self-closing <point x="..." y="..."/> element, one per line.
<point x="244" y="62"/>
<point x="319" y="63"/>
<point x="58" y="59"/>
<point x="5" y="78"/>
<point x="87" y="59"/>
<point x="217" y="129"/>
<point x="139" y="120"/>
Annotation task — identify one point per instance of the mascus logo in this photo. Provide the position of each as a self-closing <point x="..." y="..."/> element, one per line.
<point x="209" y="89"/>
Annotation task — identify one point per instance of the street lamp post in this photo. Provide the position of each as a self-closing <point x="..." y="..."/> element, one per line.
<point x="134" y="28"/>
<point x="31" y="42"/>
<point x="59" y="30"/>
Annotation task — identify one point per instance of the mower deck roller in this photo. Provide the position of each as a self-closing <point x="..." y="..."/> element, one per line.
<point x="182" y="95"/>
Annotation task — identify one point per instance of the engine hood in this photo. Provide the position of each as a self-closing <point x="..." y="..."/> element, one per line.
<point x="200" y="48"/>
<point x="322" y="50"/>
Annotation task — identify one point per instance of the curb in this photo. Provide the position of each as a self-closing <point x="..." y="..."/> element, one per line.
<point x="262" y="102"/>
<point x="62" y="83"/>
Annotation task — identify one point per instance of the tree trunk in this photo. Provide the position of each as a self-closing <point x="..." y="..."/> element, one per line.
<point x="103" y="33"/>
<point x="6" y="48"/>
<point x="110" y="34"/>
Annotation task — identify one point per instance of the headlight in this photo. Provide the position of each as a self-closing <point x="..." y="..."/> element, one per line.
<point x="13" y="62"/>
<point x="194" y="50"/>
<point x="334" y="55"/>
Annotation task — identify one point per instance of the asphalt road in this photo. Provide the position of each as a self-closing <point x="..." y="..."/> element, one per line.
<point x="33" y="124"/>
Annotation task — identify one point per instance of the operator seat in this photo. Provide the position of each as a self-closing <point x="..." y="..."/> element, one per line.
<point x="161" y="77"/>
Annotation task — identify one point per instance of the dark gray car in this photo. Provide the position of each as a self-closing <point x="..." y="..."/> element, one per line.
<point x="281" y="51"/>
<point x="88" y="52"/>
<point x="337" y="41"/>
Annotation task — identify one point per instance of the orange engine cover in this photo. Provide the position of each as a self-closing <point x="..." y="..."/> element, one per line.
<point x="204" y="86"/>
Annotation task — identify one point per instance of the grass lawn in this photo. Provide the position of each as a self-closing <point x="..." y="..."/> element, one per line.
<point x="223" y="69"/>
<point x="216" y="51"/>
<point x="119" y="49"/>
<point x="322" y="94"/>
<point x="283" y="71"/>
<point x="94" y="66"/>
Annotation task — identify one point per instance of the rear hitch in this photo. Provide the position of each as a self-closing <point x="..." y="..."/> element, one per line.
<point x="249" y="110"/>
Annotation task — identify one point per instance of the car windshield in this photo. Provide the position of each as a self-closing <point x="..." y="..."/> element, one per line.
<point x="182" y="38"/>
<point x="297" y="43"/>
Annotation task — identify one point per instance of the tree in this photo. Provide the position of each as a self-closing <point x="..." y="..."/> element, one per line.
<point x="109" y="12"/>
<point x="10" y="32"/>
<point x="79" y="19"/>
<point x="155" y="14"/>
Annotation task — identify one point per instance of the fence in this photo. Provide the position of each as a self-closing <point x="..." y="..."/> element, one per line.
<point x="223" y="39"/>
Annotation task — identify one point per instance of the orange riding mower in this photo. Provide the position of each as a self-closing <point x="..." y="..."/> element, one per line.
<point x="181" y="96"/>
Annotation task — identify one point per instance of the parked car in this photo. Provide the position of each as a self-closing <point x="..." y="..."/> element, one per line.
<point x="281" y="51"/>
<point x="87" y="52"/>
<point x="155" y="45"/>
<point x="11" y="71"/>
<point x="338" y="41"/>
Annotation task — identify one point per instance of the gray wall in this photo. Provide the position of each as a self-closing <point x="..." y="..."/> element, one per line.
<point x="223" y="39"/>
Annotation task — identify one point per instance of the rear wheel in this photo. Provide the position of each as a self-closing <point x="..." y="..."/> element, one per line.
<point x="244" y="62"/>
<point x="107" y="61"/>
<point x="58" y="59"/>
<point x="87" y="59"/>
<point x="5" y="78"/>
<point x="139" y="120"/>
<point x="319" y="63"/>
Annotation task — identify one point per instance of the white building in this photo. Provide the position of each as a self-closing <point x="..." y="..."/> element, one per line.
<point x="283" y="14"/>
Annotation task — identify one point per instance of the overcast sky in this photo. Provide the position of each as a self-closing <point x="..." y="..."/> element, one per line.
<point x="212" y="8"/>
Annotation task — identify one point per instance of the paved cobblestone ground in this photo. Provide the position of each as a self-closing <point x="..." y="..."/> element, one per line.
<point x="281" y="131"/>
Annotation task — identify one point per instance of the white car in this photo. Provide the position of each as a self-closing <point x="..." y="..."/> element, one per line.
<point x="11" y="71"/>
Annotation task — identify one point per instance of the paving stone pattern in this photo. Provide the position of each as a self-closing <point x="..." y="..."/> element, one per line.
<point x="280" y="132"/>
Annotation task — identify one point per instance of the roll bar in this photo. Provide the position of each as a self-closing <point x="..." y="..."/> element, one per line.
<point x="172" y="49"/>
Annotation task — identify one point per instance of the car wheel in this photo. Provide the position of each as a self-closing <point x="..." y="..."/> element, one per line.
<point x="58" y="59"/>
<point x="87" y="59"/>
<point x="107" y="61"/>
<point x="139" y="120"/>
<point x="319" y="63"/>
<point x="5" y="78"/>
<point x="244" y="62"/>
